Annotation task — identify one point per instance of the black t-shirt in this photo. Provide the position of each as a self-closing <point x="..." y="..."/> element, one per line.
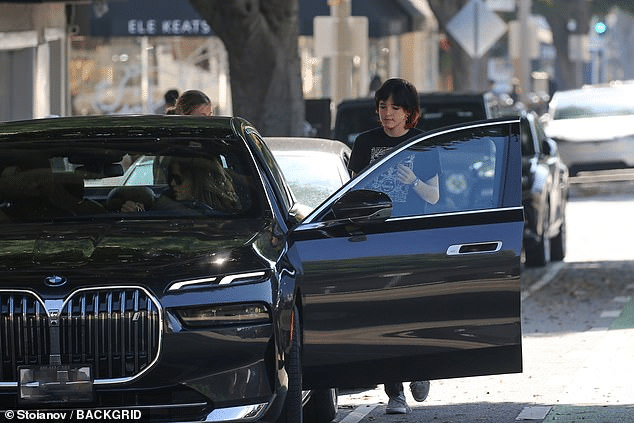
<point x="373" y="144"/>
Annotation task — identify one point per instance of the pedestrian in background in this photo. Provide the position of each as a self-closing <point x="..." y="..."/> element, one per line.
<point x="169" y="99"/>
<point x="398" y="108"/>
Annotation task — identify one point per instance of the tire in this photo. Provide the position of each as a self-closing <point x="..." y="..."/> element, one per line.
<point x="538" y="254"/>
<point x="558" y="244"/>
<point x="322" y="406"/>
<point x="292" y="408"/>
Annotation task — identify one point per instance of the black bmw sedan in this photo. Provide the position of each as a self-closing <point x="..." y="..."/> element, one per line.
<point x="160" y="266"/>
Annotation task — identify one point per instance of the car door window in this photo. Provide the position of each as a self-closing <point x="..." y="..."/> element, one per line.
<point x="468" y="168"/>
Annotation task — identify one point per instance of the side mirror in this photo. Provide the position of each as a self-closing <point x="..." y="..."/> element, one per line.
<point x="363" y="204"/>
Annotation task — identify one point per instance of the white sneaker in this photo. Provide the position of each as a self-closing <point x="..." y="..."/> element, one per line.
<point x="420" y="390"/>
<point x="397" y="405"/>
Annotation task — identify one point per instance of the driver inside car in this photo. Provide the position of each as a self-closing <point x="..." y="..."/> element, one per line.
<point x="192" y="182"/>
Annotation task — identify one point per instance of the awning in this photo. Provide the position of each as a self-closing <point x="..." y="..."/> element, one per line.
<point x="148" y="18"/>
<point x="385" y="17"/>
<point x="178" y="17"/>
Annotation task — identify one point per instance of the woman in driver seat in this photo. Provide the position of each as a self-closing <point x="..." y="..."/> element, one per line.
<point x="191" y="182"/>
<point x="203" y="180"/>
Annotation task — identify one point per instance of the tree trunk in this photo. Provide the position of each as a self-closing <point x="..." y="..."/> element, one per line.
<point x="261" y="39"/>
<point x="567" y="71"/>
<point x="558" y="14"/>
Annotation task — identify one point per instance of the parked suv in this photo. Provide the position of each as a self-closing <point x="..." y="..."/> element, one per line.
<point x="437" y="110"/>
<point x="544" y="194"/>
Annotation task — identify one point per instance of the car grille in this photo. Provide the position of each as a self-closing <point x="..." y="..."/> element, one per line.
<point x="116" y="330"/>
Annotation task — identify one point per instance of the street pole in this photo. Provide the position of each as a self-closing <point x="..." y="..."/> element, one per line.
<point x="341" y="69"/>
<point x="475" y="69"/>
<point x="524" y="12"/>
<point x="145" y="72"/>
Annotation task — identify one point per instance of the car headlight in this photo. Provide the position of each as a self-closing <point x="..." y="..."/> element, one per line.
<point x="220" y="280"/>
<point x="214" y="315"/>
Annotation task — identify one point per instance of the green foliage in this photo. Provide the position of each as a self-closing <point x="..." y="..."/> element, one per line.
<point x="602" y="7"/>
<point x="597" y="7"/>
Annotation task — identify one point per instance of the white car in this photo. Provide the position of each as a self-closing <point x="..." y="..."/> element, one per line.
<point x="593" y="126"/>
<point x="313" y="167"/>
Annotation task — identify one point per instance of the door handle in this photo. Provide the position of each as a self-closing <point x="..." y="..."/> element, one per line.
<point x="474" y="248"/>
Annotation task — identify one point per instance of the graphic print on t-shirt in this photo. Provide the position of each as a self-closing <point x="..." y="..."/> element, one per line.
<point x="388" y="182"/>
<point x="377" y="152"/>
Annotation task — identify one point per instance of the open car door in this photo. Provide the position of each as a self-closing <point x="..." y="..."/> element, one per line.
<point x="395" y="289"/>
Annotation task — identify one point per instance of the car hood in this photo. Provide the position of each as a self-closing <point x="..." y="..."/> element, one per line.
<point x="152" y="254"/>
<point x="591" y="128"/>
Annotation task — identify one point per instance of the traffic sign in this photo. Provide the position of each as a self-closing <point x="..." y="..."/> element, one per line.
<point x="476" y="28"/>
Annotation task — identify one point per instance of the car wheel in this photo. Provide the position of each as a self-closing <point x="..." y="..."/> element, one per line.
<point x="558" y="244"/>
<point x="292" y="409"/>
<point x="538" y="254"/>
<point x="321" y="407"/>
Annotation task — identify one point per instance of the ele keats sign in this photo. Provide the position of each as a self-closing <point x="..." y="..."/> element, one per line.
<point x="148" y="18"/>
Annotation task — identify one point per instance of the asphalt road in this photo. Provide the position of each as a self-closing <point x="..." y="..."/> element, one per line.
<point x="578" y="332"/>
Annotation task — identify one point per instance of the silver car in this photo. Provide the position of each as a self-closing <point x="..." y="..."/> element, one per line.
<point x="593" y="126"/>
<point x="313" y="167"/>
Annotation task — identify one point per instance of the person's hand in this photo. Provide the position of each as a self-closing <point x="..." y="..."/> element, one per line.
<point x="132" y="206"/>
<point x="405" y="174"/>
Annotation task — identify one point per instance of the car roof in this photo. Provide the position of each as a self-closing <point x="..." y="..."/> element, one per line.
<point x="591" y="93"/>
<point x="445" y="97"/>
<point x="612" y="97"/>
<point x="119" y="126"/>
<point x="321" y="145"/>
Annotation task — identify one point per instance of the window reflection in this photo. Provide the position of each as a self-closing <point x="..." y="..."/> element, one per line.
<point x="468" y="174"/>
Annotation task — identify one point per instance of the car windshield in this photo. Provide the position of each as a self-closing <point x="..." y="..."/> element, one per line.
<point x="598" y="102"/>
<point x="140" y="179"/>
<point x="312" y="176"/>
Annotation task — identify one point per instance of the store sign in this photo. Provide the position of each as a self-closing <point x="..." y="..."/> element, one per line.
<point x="169" y="27"/>
<point x="148" y="18"/>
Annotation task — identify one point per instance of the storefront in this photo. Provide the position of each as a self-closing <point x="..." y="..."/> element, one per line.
<point x="127" y="54"/>
<point x="33" y="67"/>
<point x="402" y="40"/>
<point x="121" y="56"/>
<point x="124" y="57"/>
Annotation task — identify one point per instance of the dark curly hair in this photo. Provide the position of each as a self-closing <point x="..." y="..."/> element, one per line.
<point x="404" y="95"/>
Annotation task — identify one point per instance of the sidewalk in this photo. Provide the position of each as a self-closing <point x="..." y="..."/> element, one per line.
<point x="604" y="388"/>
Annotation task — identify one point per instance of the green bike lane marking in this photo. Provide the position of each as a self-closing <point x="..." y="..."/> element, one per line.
<point x="626" y="318"/>
<point x="599" y="413"/>
<point x="591" y="414"/>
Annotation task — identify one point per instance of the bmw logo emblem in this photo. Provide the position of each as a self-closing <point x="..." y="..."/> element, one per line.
<point x="55" y="281"/>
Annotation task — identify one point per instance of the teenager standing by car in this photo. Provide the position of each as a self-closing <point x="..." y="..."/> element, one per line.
<point x="398" y="109"/>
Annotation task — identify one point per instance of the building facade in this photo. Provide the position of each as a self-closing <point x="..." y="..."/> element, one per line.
<point x="33" y="65"/>
<point x="99" y="57"/>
